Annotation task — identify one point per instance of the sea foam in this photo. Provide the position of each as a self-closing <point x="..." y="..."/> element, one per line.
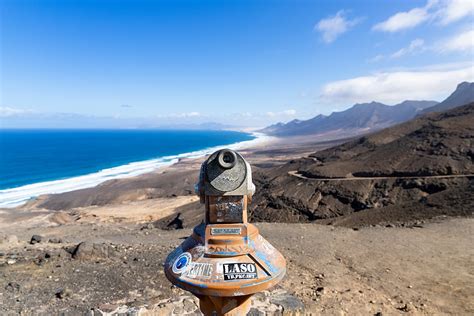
<point x="17" y="196"/>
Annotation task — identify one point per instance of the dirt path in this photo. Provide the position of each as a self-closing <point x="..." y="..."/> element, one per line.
<point x="295" y="173"/>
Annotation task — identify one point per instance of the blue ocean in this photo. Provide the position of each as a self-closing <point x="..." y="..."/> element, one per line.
<point x="34" y="162"/>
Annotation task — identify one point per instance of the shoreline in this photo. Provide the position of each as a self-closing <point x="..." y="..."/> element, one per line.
<point x="19" y="196"/>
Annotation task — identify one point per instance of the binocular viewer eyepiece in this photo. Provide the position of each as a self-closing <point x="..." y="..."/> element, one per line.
<point x="225" y="173"/>
<point x="225" y="260"/>
<point x="227" y="158"/>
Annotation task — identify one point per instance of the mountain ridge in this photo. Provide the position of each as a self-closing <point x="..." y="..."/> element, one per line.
<point x="463" y="94"/>
<point x="361" y="116"/>
<point x="371" y="116"/>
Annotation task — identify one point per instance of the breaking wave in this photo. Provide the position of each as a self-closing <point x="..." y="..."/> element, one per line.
<point x="17" y="196"/>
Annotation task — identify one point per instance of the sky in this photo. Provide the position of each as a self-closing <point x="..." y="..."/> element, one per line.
<point x="139" y="63"/>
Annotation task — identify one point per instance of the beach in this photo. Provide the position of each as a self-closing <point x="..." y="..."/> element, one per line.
<point x="16" y="196"/>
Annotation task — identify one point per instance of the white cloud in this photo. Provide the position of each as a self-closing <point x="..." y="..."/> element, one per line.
<point x="180" y="115"/>
<point x="376" y="58"/>
<point x="246" y="114"/>
<point x="454" y="10"/>
<point x="6" y="111"/>
<point x="463" y="42"/>
<point x="403" y="20"/>
<point x="416" y="46"/>
<point x="289" y="112"/>
<point x="442" y="11"/>
<point x="395" y="86"/>
<point x="190" y="114"/>
<point x="334" y="26"/>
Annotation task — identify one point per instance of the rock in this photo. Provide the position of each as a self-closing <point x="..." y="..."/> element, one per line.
<point x="12" y="287"/>
<point x="406" y="308"/>
<point x="11" y="261"/>
<point x="176" y="223"/>
<point x="36" y="239"/>
<point x="320" y="291"/>
<point x="189" y="306"/>
<point x="148" y="226"/>
<point x="55" y="240"/>
<point x="40" y="261"/>
<point x="288" y="302"/>
<point x="87" y="251"/>
<point x="320" y="276"/>
<point x="108" y="308"/>
<point x="255" y="312"/>
<point x="178" y="310"/>
<point x="63" y="293"/>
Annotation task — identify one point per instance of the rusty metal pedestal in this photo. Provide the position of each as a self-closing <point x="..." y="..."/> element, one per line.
<point x="225" y="261"/>
<point x="228" y="306"/>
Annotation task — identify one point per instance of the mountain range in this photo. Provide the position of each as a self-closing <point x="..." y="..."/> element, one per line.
<point x="365" y="117"/>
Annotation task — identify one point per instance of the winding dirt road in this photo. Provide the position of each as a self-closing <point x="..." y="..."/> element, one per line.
<point x="295" y="173"/>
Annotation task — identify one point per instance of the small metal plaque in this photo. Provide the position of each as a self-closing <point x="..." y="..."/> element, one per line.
<point x="226" y="209"/>
<point x="225" y="231"/>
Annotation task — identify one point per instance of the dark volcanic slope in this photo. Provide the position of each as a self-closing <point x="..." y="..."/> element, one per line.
<point x="413" y="170"/>
<point x="463" y="94"/>
<point x="439" y="144"/>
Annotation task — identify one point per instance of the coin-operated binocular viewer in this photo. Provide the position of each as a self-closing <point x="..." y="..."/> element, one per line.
<point x="225" y="260"/>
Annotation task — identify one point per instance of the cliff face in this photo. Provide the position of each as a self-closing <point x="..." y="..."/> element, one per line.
<point x="416" y="170"/>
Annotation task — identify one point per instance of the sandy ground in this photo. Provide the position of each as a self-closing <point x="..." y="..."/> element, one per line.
<point x="331" y="270"/>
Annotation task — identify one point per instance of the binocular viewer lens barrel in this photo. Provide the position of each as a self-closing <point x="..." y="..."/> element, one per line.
<point x="227" y="159"/>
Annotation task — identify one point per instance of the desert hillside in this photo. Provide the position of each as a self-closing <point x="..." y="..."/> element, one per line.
<point x="419" y="169"/>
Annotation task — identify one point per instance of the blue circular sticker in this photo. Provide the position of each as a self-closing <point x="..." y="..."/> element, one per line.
<point x="181" y="263"/>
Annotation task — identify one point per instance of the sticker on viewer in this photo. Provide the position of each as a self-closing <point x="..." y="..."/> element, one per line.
<point x="239" y="271"/>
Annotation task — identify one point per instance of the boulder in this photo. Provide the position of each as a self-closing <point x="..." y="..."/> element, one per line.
<point x="35" y="239"/>
<point x="90" y="251"/>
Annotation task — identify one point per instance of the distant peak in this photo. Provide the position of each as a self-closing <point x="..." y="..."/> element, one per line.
<point x="464" y="84"/>
<point x="373" y="103"/>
